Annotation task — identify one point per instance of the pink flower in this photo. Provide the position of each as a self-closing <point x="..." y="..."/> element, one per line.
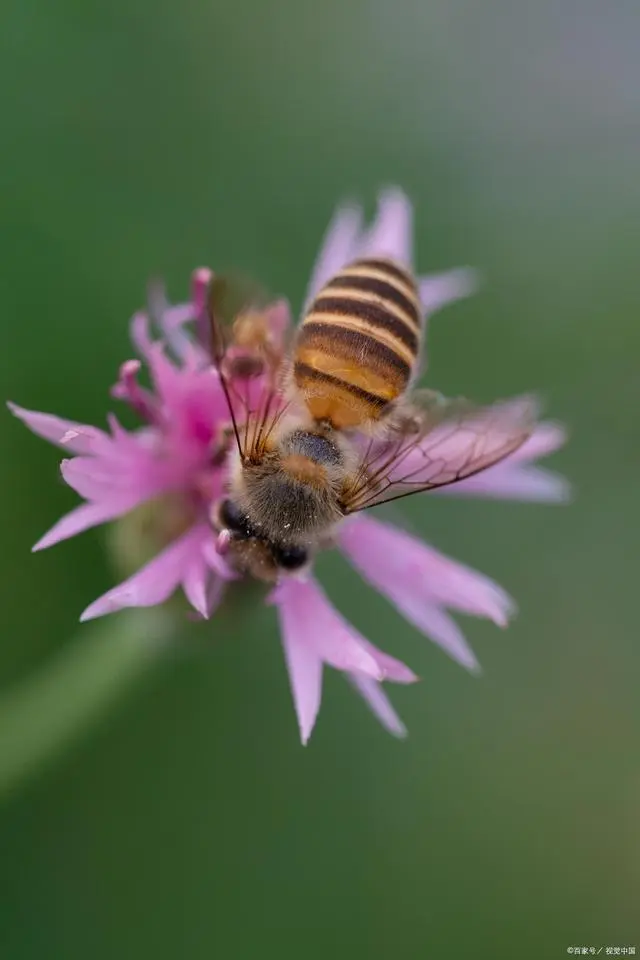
<point x="179" y="458"/>
<point x="116" y="471"/>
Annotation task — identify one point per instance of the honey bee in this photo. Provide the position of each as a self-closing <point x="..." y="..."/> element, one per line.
<point x="338" y="428"/>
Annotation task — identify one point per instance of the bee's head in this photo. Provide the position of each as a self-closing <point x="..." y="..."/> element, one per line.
<point x="248" y="551"/>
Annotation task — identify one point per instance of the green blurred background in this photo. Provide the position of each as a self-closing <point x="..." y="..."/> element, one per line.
<point x="183" y="818"/>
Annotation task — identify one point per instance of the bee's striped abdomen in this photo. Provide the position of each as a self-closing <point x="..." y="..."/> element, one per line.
<point x="358" y="343"/>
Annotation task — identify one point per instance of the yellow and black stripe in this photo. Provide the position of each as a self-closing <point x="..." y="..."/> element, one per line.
<point x="358" y="343"/>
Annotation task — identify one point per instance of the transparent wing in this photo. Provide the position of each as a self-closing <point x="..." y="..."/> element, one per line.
<point x="248" y="339"/>
<point x="445" y="442"/>
<point x="231" y="294"/>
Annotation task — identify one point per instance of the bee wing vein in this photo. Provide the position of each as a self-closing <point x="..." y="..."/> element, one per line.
<point x="440" y="455"/>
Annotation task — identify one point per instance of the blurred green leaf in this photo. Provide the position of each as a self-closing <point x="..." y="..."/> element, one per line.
<point x="233" y="292"/>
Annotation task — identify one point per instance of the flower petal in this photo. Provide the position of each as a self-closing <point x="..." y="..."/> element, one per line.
<point x="443" y="630"/>
<point x="419" y="581"/>
<point x="215" y="592"/>
<point x="379" y="703"/>
<point x="439" y="289"/>
<point x="391" y="234"/>
<point x="195" y="584"/>
<point x="74" y="437"/>
<point x="308" y="617"/>
<point x="545" y="439"/>
<point x="124" y="481"/>
<point x="129" y="391"/>
<point x="94" y="478"/>
<point x="82" y="518"/>
<point x="339" y="246"/>
<point x="201" y="279"/>
<point x="170" y="319"/>
<point x="391" y="669"/>
<point x="173" y="319"/>
<point x="512" y="482"/>
<point x="157" y="580"/>
<point x="192" y="401"/>
<point x="140" y="333"/>
<point x="305" y="676"/>
<point x="412" y="574"/>
<point x="515" y="478"/>
<point x="313" y="632"/>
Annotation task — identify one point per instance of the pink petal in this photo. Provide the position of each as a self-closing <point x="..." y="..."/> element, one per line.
<point x="124" y="483"/>
<point x="308" y="618"/>
<point x="392" y="559"/>
<point x="172" y="325"/>
<point x="379" y="703"/>
<point x="443" y="630"/>
<point x="390" y="668"/>
<point x="215" y="592"/>
<point x="545" y="439"/>
<point x="123" y="443"/>
<point x="193" y="403"/>
<point x="391" y="234"/>
<point x="82" y="518"/>
<point x="74" y="437"/>
<point x="200" y="281"/>
<point x="514" y="478"/>
<point x="157" y="580"/>
<point x="140" y="334"/>
<point x="195" y="584"/>
<point x="129" y="391"/>
<point x="511" y="482"/>
<point x="419" y="580"/>
<point x="167" y="378"/>
<point x="439" y="289"/>
<point x="338" y="247"/>
<point x="175" y="316"/>
<point x="304" y="667"/>
<point x="91" y="477"/>
<point x="133" y="467"/>
<point x="313" y="632"/>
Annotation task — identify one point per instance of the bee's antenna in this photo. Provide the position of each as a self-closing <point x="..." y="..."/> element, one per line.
<point x="217" y="349"/>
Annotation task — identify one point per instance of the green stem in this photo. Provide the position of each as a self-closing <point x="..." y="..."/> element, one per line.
<point x="45" y="713"/>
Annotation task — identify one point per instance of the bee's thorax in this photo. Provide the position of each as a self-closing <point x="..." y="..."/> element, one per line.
<point x="291" y="495"/>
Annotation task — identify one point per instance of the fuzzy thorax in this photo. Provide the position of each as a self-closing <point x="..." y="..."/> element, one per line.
<point x="292" y="494"/>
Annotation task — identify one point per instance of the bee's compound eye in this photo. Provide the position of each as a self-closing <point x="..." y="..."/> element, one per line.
<point x="232" y="517"/>
<point x="290" y="557"/>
